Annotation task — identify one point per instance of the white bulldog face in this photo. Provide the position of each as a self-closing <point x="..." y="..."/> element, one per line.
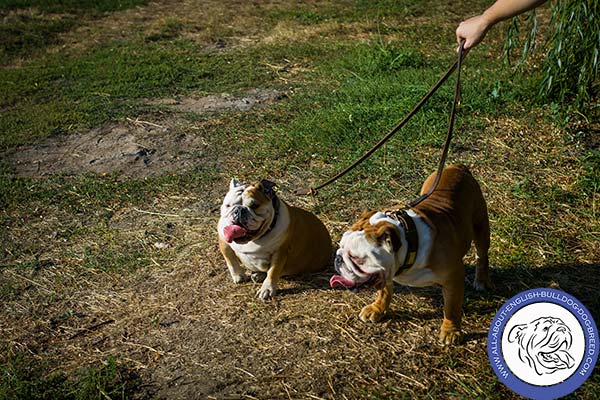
<point x="247" y="211"/>
<point x="544" y="343"/>
<point x="367" y="254"/>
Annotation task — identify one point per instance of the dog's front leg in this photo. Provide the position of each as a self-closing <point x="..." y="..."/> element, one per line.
<point x="453" y="300"/>
<point x="237" y="272"/>
<point x="375" y="312"/>
<point x="269" y="285"/>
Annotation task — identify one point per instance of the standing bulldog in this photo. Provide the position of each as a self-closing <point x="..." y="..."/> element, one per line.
<point x="261" y="233"/>
<point x="421" y="246"/>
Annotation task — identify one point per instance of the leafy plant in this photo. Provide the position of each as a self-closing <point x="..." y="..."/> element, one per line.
<point x="571" y="64"/>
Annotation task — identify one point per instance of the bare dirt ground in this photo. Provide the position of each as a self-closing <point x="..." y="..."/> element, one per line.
<point x="136" y="148"/>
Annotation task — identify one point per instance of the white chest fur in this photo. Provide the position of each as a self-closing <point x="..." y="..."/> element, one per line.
<point x="255" y="262"/>
<point x="416" y="277"/>
<point x="256" y="255"/>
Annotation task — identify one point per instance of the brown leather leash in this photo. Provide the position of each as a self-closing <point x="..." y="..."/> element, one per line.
<point x="455" y="66"/>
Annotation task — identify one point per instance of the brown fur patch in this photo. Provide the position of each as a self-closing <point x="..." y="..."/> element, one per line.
<point x="256" y="192"/>
<point x="378" y="233"/>
<point x="363" y="221"/>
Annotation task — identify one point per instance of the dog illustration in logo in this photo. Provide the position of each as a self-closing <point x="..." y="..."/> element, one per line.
<point x="544" y="344"/>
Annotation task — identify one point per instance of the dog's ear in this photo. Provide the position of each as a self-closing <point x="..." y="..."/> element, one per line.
<point x="268" y="188"/>
<point x="366" y="214"/>
<point x="516" y="333"/>
<point x="234" y="184"/>
<point x="392" y="238"/>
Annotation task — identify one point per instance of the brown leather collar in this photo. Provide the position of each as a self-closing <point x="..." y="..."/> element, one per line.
<point x="275" y="202"/>
<point x="412" y="237"/>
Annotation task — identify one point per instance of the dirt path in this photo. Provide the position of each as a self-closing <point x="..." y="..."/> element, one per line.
<point x="138" y="148"/>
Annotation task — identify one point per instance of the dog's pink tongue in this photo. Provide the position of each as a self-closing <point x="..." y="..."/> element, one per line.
<point x="340" y="280"/>
<point x="232" y="232"/>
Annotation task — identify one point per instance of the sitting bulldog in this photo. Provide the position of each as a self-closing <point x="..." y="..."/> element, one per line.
<point x="261" y="233"/>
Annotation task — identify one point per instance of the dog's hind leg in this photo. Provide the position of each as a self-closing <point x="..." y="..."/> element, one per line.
<point x="482" y="245"/>
<point x="453" y="292"/>
<point x="450" y="332"/>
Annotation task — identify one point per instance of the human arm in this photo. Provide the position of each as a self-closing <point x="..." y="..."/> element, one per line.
<point x="474" y="29"/>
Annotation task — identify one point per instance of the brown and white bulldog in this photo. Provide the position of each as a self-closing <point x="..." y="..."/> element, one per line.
<point x="421" y="246"/>
<point x="261" y="233"/>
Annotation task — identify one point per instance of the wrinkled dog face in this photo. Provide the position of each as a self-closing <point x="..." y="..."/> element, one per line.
<point x="246" y="212"/>
<point x="367" y="254"/>
<point x="544" y="344"/>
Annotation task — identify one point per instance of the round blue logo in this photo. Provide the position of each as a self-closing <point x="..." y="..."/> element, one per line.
<point x="542" y="344"/>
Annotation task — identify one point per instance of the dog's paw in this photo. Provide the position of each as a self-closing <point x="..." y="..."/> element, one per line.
<point x="451" y="337"/>
<point x="239" y="278"/>
<point x="266" y="292"/>
<point x="371" y="313"/>
<point x="258" y="277"/>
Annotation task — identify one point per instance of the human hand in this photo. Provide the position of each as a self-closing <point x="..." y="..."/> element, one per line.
<point x="472" y="31"/>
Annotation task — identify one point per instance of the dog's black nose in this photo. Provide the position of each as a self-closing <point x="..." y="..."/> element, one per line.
<point x="338" y="262"/>
<point x="239" y="215"/>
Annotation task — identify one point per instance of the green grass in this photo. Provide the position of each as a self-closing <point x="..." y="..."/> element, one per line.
<point x="71" y="5"/>
<point x="21" y="379"/>
<point x="26" y="33"/>
<point x="85" y="205"/>
<point x="590" y="181"/>
<point x="59" y="95"/>
<point x="31" y="25"/>
<point x="372" y="86"/>
<point x="82" y="193"/>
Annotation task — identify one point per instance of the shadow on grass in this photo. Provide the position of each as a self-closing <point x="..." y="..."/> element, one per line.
<point x="579" y="280"/>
